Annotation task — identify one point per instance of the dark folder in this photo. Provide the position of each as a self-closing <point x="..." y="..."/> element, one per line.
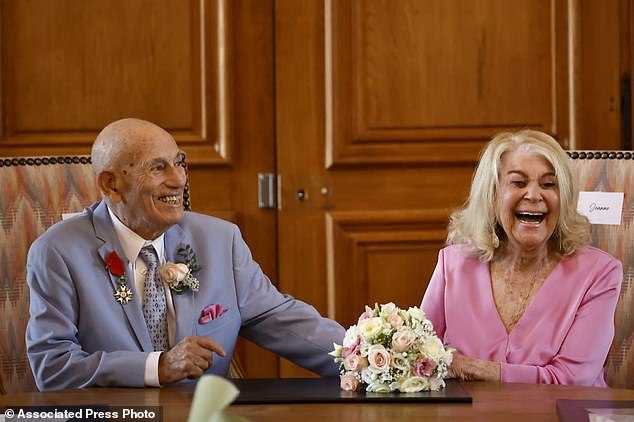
<point x="578" y="410"/>
<point x="326" y="390"/>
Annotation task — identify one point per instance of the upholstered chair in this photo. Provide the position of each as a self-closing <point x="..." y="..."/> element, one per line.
<point x="36" y="192"/>
<point x="613" y="171"/>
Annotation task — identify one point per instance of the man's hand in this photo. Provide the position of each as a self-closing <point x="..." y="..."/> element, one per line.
<point x="189" y="358"/>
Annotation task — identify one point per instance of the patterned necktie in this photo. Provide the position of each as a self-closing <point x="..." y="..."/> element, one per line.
<point x="154" y="307"/>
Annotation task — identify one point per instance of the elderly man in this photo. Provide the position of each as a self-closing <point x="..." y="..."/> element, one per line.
<point x="137" y="292"/>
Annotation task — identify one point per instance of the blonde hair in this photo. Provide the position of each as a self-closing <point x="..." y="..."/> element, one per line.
<point x="475" y="225"/>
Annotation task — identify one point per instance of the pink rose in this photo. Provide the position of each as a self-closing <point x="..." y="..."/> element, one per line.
<point x="355" y="363"/>
<point x="402" y="340"/>
<point x="395" y="320"/>
<point x="352" y="349"/>
<point x="349" y="382"/>
<point x="423" y="367"/>
<point x="379" y="358"/>
<point x="366" y="315"/>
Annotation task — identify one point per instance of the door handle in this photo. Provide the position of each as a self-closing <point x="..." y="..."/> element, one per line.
<point x="267" y="191"/>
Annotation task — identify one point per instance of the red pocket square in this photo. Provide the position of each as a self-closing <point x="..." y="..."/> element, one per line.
<point x="211" y="312"/>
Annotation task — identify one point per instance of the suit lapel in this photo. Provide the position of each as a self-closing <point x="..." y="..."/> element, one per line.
<point x="132" y="309"/>
<point x="184" y="302"/>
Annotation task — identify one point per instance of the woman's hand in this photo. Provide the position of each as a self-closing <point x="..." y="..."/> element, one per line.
<point x="471" y="369"/>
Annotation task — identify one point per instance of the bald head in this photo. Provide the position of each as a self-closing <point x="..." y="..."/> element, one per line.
<point x="119" y="140"/>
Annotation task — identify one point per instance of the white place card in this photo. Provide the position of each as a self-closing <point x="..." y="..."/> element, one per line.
<point x="601" y="207"/>
<point x="212" y="395"/>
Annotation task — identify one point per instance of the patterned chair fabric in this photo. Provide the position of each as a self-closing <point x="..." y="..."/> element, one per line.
<point x="613" y="171"/>
<point x="36" y="191"/>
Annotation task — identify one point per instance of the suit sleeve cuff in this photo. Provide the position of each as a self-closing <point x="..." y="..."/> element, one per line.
<point x="151" y="378"/>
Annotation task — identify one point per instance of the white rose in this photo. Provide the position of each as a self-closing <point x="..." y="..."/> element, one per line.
<point x="401" y="363"/>
<point x="172" y="273"/>
<point x="413" y="384"/>
<point x="367" y="376"/>
<point x="370" y="328"/>
<point x="416" y="313"/>
<point x="436" y="384"/>
<point x="351" y="336"/>
<point x="434" y="348"/>
<point x="388" y="308"/>
<point x="363" y="350"/>
<point x="377" y="387"/>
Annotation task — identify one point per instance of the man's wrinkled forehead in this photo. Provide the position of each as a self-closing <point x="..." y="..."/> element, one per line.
<point x="140" y="147"/>
<point x="177" y="156"/>
<point x="145" y="158"/>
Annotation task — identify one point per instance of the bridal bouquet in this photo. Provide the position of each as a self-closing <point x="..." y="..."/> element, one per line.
<point x="390" y="349"/>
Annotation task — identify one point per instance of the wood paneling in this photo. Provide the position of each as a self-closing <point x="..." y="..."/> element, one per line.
<point x="69" y="67"/>
<point x="299" y="76"/>
<point x="253" y="135"/>
<point x="428" y="81"/>
<point x="414" y="187"/>
<point x="598" y="45"/>
<point x="380" y="257"/>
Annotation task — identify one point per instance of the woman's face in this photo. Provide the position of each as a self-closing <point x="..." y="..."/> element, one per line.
<point x="528" y="200"/>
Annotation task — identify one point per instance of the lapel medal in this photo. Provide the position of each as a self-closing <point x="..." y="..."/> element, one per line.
<point x="122" y="294"/>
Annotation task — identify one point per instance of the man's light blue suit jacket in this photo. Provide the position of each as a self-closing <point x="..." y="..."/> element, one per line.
<point x="78" y="335"/>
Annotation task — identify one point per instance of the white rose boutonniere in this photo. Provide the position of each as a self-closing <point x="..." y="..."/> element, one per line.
<point x="178" y="275"/>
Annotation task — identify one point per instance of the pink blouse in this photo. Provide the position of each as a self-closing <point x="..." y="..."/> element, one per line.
<point x="564" y="335"/>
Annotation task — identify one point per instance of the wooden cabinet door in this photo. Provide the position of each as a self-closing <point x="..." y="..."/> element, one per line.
<point x="381" y="109"/>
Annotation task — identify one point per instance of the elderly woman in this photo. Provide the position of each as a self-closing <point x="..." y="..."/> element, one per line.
<point x="518" y="292"/>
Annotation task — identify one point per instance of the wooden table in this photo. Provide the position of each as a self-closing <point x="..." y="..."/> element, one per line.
<point x="491" y="402"/>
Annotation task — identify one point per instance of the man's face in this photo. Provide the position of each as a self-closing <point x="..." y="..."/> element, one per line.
<point x="150" y="180"/>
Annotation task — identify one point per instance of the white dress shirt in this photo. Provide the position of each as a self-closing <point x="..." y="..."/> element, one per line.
<point x="132" y="244"/>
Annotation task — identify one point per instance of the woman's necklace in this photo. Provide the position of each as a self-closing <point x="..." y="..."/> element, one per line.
<point x="511" y="301"/>
<point x="523" y="304"/>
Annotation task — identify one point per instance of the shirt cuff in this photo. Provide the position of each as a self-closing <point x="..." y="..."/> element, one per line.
<point x="151" y="378"/>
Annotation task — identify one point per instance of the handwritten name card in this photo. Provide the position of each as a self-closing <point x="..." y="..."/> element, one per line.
<point x="601" y="207"/>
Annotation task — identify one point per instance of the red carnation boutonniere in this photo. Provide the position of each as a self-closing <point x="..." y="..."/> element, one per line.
<point x="122" y="294"/>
